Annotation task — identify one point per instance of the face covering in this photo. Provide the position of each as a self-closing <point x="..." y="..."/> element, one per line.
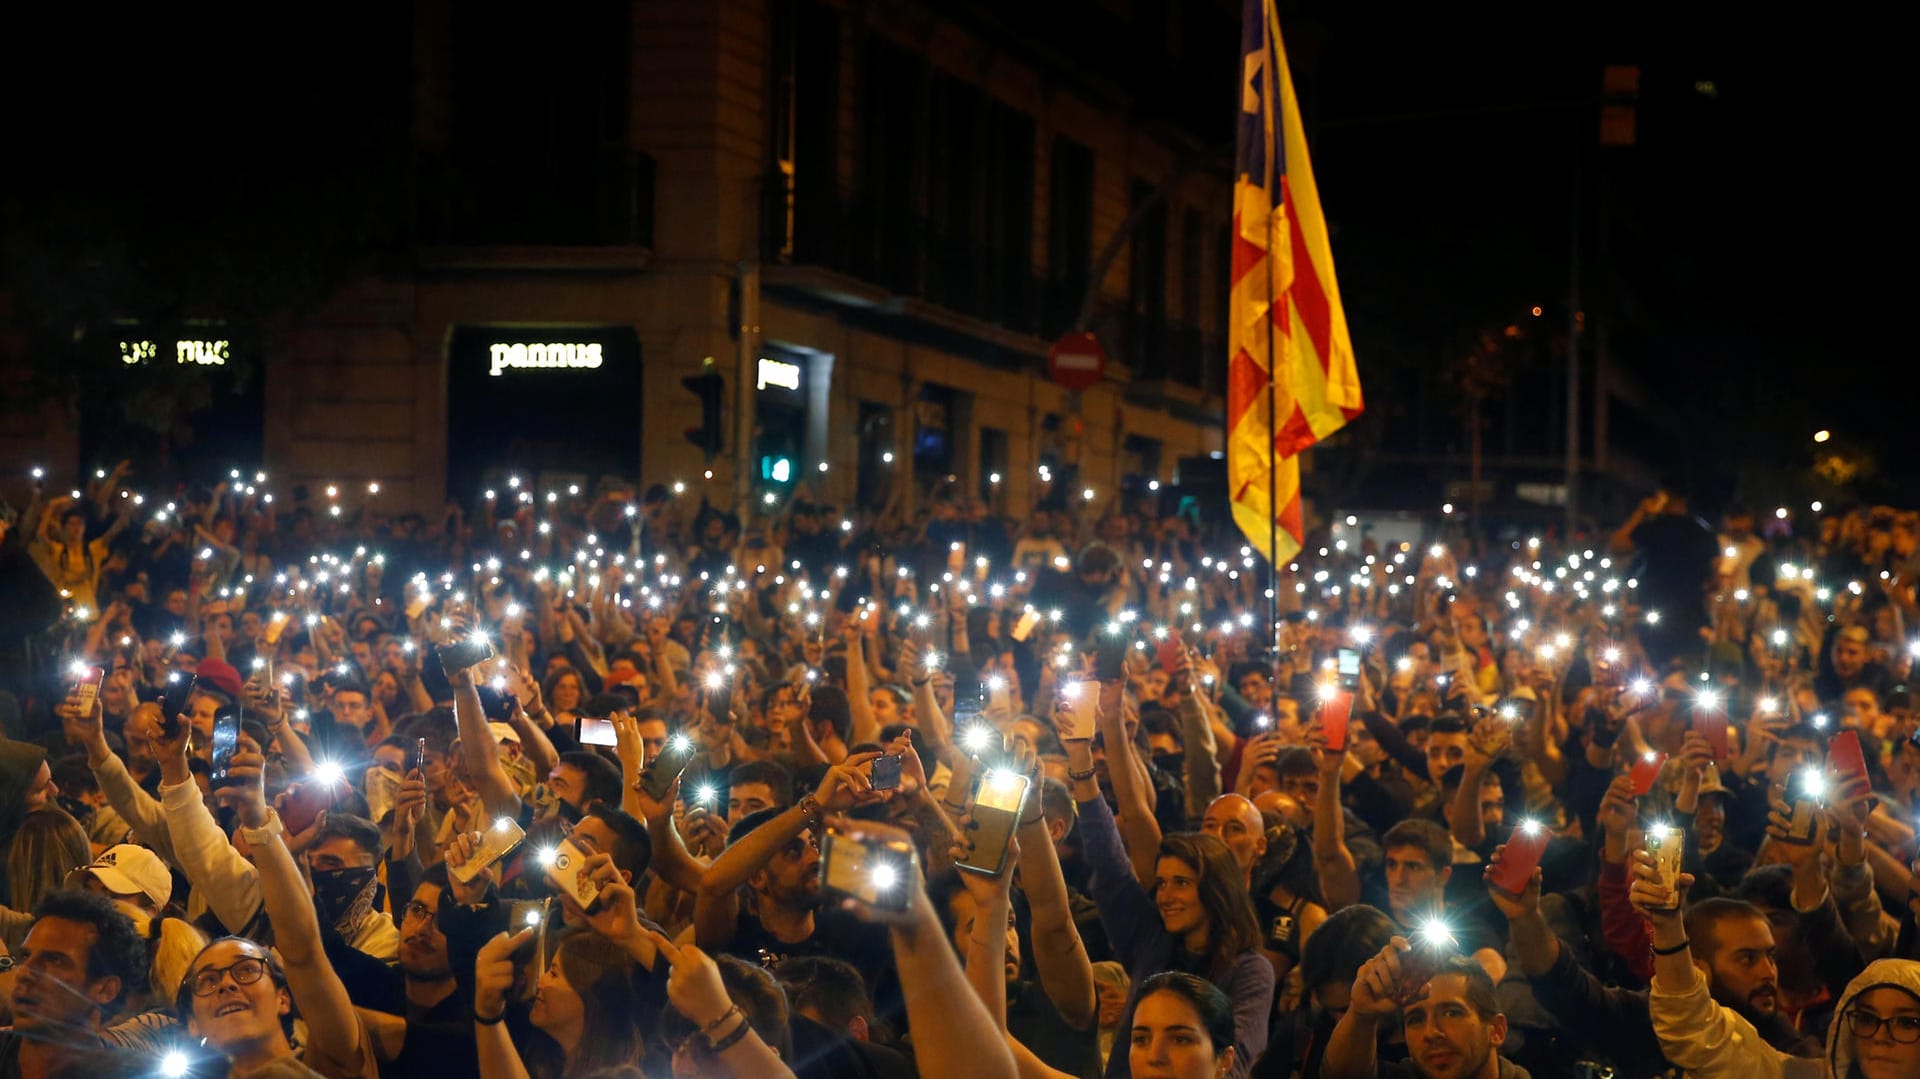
<point x="345" y="897"/>
<point x="1174" y="764"/>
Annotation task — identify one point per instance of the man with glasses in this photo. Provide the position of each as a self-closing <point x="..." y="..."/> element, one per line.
<point x="79" y="960"/>
<point x="434" y="1031"/>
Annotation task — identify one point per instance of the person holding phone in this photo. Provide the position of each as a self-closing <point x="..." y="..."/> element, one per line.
<point x="776" y="856"/>
<point x="1197" y="917"/>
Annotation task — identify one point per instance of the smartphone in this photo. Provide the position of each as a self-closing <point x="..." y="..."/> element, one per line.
<point x="594" y="731"/>
<point x="1517" y="709"/>
<point x="305" y="802"/>
<point x="568" y="872"/>
<point x="1664" y="842"/>
<point x="495" y="843"/>
<point x="528" y="914"/>
<point x="872" y="871"/>
<point x="999" y="696"/>
<point x="420" y="756"/>
<point x="1348" y="668"/>
<point x="173" y="703"/>
<point x="885" y="771"/>
<point x="1804" y="793"/>
<point x="86" y="686"/>
<point x="226" y="741"/>
<point x="1074" y="719"/>
<point x="656" y="779"/>
<point x="496" y="704"/>
<point x="1335" y="712"/>
<point x="417" y="606"/>
<point x="1023" y="628"/>
<point x="1110" y="657"/>
<point x="1849" y="766"/>
<point x="1521" y="856"/>
<point x="996" y="813"/>
<point x="1712" y="726"/>
<point x="276" y="625"/>
<point x="463" y="653"/>
<point x="1646" y="772"/>
<point x="1433" y="943"/>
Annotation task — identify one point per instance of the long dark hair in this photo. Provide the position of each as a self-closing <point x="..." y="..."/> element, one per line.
<point x="1231" y="925"/>
<point x="601" y="974"/>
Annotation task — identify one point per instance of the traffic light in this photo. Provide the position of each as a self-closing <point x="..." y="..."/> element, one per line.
<point x="707" y="387"/>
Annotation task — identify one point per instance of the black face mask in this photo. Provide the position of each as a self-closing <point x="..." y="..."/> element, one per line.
<point x="1171" y="763"/>
<point x="344" y="896"/>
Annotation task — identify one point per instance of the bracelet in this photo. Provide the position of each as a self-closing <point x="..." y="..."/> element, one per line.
<point x="1676" y="949"/>
<point x="493" y="1022"/>
<point x="956" y="810"/>
<point x="1081" y="777"/>
<point x="1037" y="818"/>
<point x="809" y="806"/>
<point x="731" y="1040"/>
<point x="724" y="1016"/>
<point x="257" y="836"/>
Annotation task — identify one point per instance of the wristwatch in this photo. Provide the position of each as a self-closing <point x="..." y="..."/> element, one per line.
<point x="7" y="963"/>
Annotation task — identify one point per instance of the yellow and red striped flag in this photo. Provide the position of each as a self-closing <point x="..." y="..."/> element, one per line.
<point x="1285" y="322"/>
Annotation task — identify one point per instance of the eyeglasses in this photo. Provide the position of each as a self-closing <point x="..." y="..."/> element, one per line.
<point x="245" y="972"/>
<point x="421" y="912"/>
<point x="1904" y="1029"/>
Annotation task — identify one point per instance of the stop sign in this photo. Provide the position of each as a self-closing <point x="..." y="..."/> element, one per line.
<point x="1077" y="361"/>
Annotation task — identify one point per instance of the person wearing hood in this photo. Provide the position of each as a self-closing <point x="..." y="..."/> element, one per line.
<point x="26" y="784"/>
<point x="1876" y="1033"/>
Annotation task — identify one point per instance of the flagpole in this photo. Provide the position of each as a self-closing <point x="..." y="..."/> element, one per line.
<point x="1273" y="363"/>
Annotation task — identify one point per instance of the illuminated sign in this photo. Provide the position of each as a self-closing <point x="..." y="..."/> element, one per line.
<point x="558" y="354"/>
<point x="197" y="353"/>
<point x="775" y="373"/>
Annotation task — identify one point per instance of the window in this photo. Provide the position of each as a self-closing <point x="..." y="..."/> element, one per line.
<point x="539" y="150"/>
<point x="876" y="453"/>
<point x="994" y="463"/>
<point x="803" y="191"/>
<point x="1069" y="231"/>
<point x="893" y="166"/>
<point x="1147" y="284"/>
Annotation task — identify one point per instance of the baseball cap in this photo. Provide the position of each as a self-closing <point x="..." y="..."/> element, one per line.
<point x="220" y="675"/>
<point x="128" y="869"/>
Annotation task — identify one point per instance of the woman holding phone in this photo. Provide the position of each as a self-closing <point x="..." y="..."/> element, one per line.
<point x="1195" y="917"/>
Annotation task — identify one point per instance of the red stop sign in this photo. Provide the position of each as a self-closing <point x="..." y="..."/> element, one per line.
<point x="1077" y="361"/>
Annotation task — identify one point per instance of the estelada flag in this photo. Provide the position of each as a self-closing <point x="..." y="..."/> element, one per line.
<point x="1285" y="314"/>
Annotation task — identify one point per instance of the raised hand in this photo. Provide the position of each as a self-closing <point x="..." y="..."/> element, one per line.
<point x="494" y="970"/>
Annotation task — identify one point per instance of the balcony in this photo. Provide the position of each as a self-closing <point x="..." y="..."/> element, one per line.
<point x="501" y="206"/>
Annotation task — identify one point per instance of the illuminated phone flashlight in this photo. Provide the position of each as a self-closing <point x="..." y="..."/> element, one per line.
<point x="680" y="743"/>
<point x="883" y="876"/>
<point x="1262" y="720"/>
<point x="174" y="1064"/>
<point x="1509" y="713"/>
<point x="1328" y="691"/>
<point x="1611" y="655"/>
<point x="328" y="773"/>
<point x="531" y="918"/>
<point x="705" y="795"/>
<point x="716" y="679"/>
<point x="1641" y="687"/>
<point x="977" y="739"/>
<point x="546" y="856"/>
<point x="933" y="661"/>
<point x="1813" y="784"/>
<point x="1707" y="699"/>
<point x="1360" y="634"/>
<point x="1434" y="933"/>
<point x="1529" y="826"/>
<point x="1819" y="720"/>
<point x="1769" y="706"/>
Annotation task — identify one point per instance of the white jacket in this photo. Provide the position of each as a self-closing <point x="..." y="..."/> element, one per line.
<point x="1708" y="1040"/>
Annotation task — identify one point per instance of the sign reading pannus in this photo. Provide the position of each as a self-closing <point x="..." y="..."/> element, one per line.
<point x="516" y="356"/>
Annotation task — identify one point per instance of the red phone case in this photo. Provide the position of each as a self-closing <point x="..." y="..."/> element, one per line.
<point x="1334" y="715"/>
<point x="1521" y="857"/>
<point x="1646" y="773"/>
<point x="1849" y="765"/>
<point x="1713" y="727"/>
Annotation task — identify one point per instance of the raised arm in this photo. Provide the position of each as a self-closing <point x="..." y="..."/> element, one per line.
<point x="1339" y="873"/>
<point x="1059" y="955"/>
<point x="333" y="1030"/>
<point x="1138" y="827"/>
<point x="865" y="727"/>
<point x="479" y="752"/>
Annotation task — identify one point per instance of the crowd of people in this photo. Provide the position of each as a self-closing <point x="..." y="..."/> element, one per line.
<point x="609" y="782"/>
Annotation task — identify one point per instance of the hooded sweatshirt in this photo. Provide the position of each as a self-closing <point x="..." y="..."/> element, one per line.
<point x="1710" y="1041"/>
<point x="19" y="764"/>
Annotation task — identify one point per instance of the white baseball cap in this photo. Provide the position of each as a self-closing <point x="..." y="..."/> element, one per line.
<point x="130" y="869"/>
